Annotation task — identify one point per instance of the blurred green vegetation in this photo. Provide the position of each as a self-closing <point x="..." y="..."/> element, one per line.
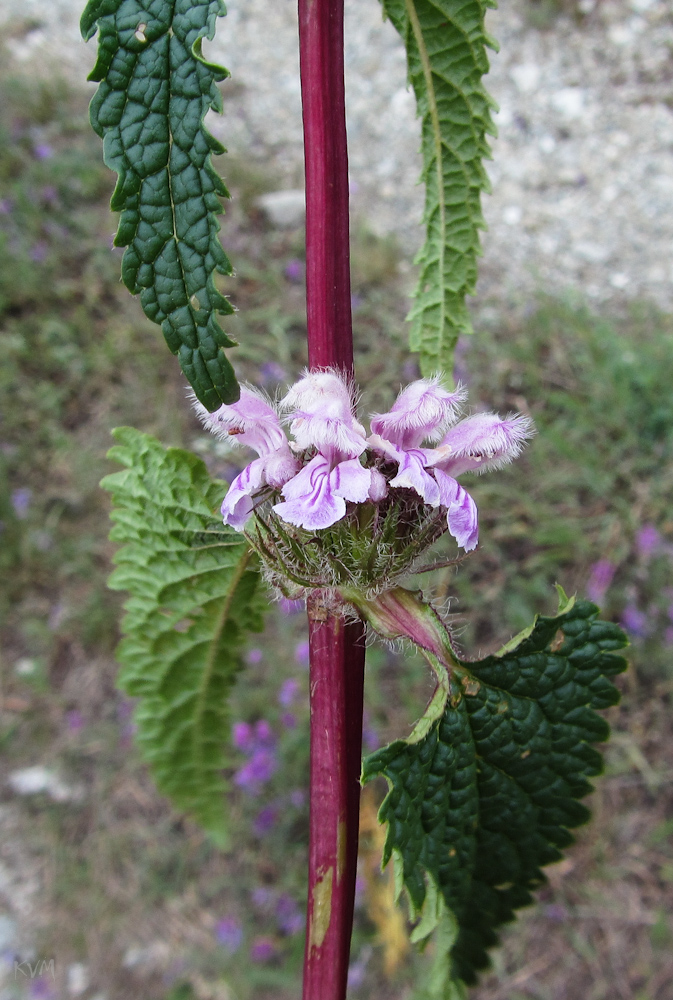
<point x="130" y="888"/>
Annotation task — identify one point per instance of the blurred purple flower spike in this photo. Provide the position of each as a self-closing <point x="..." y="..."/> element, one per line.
<point x="229" y="933"/>
<point x="288" y="692"/>
<point x="251" y="421"/>
<point x="242" y="736"/>
<point x="263" y="949"/>
<point x="648" y="540"/>
<point x="289" y="916"/>
<point x="635" y="621"/>
<point x="600" y="578"/>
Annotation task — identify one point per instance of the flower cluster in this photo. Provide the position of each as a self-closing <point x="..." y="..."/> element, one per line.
<point x="420" y="445"/>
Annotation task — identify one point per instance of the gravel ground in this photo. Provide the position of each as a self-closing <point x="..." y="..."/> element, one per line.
<point x="582" y="169"/>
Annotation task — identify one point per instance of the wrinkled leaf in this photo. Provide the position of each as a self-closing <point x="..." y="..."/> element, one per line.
<point x="194" y="596"/>
<point x="155" y="89"/>
<point x="485" y="791"/>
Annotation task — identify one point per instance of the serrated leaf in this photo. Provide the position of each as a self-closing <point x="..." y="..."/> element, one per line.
<point x="446" y="56"/>
<point x="194" y="595"/>
<point x="155" y="89"/>
<point x="484" y="792"/>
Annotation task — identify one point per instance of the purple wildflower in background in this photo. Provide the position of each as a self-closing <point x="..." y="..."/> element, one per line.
<point x="265" y="820"/>
<point x="289" y="720"/>
<point x="635" y="621"/>
<point x="43" y="988"/>
<point x="356" y="302"/>
<point x="298" y="798"/>
<point x="271" y="371"/>
<point x="262" y="897"/>
<point x="21" y="500"/>
<point x="600" y="579"/>
<point x="290" y="607"/>
<point x="647" y="540"/>
<point x="39" y="251"/>
<point x="264" y="733"/>
<point x="301" y="653"/>
<point x="5" y="206"/>
<point x="242" y="736"/>
<point x="74" y="720"/>
<point x="256" y="771"/>
<point x="288" y="692"/>
<point x="262" y="949"/>
<point x="556" y="912"/>
<point x="229" y="933"/>
<point x="294" y="271"/>
<point x="43" y="151"/>
<point x="254" y="656"/>
<point x="289" y="916"/>
<point x="49" y="194"/>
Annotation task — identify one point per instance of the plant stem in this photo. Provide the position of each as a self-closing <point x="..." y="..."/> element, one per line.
<point x="336" y="649"/>
<point x="328" y="289"/>
<point x="337" y="674"/>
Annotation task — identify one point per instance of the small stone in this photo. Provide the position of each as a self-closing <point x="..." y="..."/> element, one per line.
<point x="526" y="77"/>
<point x="40" y="780"/>
<point x="78" y="979"/>
<point x="512" y="215"/>
<point x="619" y="280"/>
<point x="569" y="102"/>
<point x="284" y="209"/>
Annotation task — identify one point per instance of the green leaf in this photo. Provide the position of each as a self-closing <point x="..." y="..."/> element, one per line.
<point x="486" y="795"/>
<point x="446" y="55"/>
<point x="194" y="595"/>
<point x="155" y="89"/>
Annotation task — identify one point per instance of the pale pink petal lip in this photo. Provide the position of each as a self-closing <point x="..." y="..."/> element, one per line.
<point x="481" y="442"/>
<point x="461" y="514"/>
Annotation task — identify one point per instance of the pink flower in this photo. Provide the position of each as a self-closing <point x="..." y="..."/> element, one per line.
<point x="323" y="418"/>
<point x="251" y="421"/>
<point x="421" y="411"/>
<point x="426" y="411"/>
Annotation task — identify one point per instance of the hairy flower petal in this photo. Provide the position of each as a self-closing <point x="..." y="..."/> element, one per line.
<point x="251" y="421"/>
<point x="461" y="515"/>
<point x="309" y="501"/>
<point x="316" y="497"/>
<point x="423" y="410"/>
<point x="323" y="417"/>
<point x="481" y="442"/>
<point x="329" y="434"/>
<point x="322" y="392"/>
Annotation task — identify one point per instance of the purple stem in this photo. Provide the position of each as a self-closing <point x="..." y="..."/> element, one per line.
<point x="336" y="649"/>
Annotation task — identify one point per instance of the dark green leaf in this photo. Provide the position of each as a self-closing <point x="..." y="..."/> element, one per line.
<point x="485" y="791"/>
<point x="155" y="89"/>
<point x="194" y="596"/>
<point x="446" y="53"/>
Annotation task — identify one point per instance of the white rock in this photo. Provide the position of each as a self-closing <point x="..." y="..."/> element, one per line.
<point x="512" y="215"/>
<point x="526" y="77"/>
<point x="25" y="666"/>
<point x="284" y="209"/>
<point x="593" y="252"/>
<point x="78" y="979"/>
<point x="149" y="958"/>
<point x="38" y="779"/>
<point x="619" y="280"/>
<point x="569" y="101"/>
